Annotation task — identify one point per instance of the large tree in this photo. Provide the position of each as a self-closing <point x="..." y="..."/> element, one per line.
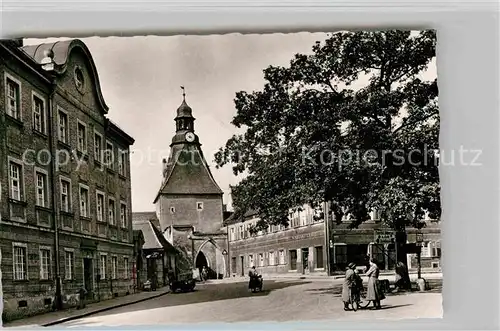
<point x="352" y="123"/>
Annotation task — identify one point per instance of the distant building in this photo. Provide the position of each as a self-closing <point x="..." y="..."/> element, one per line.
<point x="65" y="173"/>
<point x="189" y="204"/>
<point x="301" y="247"/>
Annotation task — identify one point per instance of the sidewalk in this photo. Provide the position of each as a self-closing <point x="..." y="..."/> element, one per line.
<point x="62" y="316"/>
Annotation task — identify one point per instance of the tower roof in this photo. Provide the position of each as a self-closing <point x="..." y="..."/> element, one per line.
<point x="184" y="110"/>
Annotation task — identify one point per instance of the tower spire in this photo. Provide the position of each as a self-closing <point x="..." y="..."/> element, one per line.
<point x="183" y="93"/>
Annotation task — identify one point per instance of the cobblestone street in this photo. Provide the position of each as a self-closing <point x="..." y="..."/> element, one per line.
<point x="287" y="300"/>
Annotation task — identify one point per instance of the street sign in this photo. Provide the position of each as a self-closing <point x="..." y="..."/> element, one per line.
<point x="386" y="237"/>
<point x="224" y="252"/>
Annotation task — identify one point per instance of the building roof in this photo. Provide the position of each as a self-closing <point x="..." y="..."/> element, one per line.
<point x="184" y="110"/>
<point x="188" y="173"/>
<point x="148" y="224"/>
<point x="61" y="51"/>
<point x="236" y="217"/>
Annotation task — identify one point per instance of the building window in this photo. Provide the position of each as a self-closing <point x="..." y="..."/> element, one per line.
<point x="65" y="195"/>
<point x="44" y="263"/>
<point x="172" y="210"/>
<point x="303" y="217"/>
<point x="122" y="161"/>
<point x="111" y="212"/>
<point x="63" y="126"/>
<point x="293" y="259"/>
<point x="100" y="207"/>
<point x="38" y="114"/>
<point x="261" y="260"/>
<point x="426" y="252"/>
<point x="125" y="268"/>
<point x="340" y="254"/>
<point x="319" y="257"/>
<point x="20" y="262"/>
<point x="250" y="261"/>
<point x="15" y="174"/>
<point x="241" y="232"/>
<point x="272" y="259"/>
<point x="109" y="155"/>
<point x="82" y="137"/>
<point x="68" y="264"/>
<point x="102" y="267"/>
<point x="231" y="236"/>
<point x="41" y="189"/>
<point x="98" y="147"/>
<point x="114" y="267"/>
<point x="199" y="205"/>
<point x="281" y="257"/>
<point x="123" y="215"/>
<point x="13" y="98"/>
<point x="84" y="201"/>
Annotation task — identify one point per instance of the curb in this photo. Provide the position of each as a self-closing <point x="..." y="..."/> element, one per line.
<point x="74" y="317"/>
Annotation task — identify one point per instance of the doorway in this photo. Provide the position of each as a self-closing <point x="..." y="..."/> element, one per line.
<point x="305" y="260"/>
<point x="201" y="261"/>
<point x="87" y="274"/>
<point x="242" y="266"/>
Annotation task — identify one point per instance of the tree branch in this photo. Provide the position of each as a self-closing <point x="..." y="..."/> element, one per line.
<point x="408" y="122"/>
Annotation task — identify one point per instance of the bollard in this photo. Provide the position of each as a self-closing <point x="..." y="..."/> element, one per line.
<point x="422" y="284"/>
<point x="81" y="294"/>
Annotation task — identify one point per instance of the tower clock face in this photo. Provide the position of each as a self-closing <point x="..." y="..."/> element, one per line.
<point x="190" y="137"/>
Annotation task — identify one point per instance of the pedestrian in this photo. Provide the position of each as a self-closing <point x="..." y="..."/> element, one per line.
<point x="347" y="286"/>
<point x="374" y="293"/>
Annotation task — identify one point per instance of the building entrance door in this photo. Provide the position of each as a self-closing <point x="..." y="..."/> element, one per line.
<point x="305" y="260"/>
<point x="87" y="274"/>
<point x="242" y="266"/>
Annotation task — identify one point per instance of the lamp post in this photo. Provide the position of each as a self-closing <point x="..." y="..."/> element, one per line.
<point x="419" y="240"/>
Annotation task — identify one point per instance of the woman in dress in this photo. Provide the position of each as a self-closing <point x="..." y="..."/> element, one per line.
<point x="374" y="293"/>
<point x="348" y="284"/>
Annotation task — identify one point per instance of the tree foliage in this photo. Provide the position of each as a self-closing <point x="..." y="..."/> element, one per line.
<point x="353" y="123"/>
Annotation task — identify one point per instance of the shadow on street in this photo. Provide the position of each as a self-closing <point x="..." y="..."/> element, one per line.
<point x="203" y="293"/>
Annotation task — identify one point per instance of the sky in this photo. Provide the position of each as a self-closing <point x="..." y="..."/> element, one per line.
<point x="140" y="80"/>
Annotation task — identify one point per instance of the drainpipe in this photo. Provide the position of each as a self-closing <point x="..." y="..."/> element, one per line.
<point x="49" y="66"/>
<point x="58" y="296"/>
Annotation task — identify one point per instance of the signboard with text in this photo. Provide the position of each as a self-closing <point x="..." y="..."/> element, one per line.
<point x="385" y="237"/>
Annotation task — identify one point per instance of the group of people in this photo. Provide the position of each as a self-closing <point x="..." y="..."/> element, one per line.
<point x="353" y="286"/>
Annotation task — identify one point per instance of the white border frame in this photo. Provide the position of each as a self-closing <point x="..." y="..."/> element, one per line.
<point x="25" y="245"/>
<point x="51" y="272"/>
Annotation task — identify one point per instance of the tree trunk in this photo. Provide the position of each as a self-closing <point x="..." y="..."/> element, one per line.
<point x="401" y="254"/>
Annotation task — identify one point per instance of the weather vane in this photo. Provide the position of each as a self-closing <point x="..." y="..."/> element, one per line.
<point x="183" y="93"/>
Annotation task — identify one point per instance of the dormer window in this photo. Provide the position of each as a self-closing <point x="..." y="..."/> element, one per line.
<point x="172" y="210"/>
<point x="199" y="205"/>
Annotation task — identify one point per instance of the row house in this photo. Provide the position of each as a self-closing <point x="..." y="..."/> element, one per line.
<point x="300" y="247"/>
<point x="65" y="173"/>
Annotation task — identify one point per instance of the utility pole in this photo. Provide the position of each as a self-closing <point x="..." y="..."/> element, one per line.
<point x="327" y="238"/>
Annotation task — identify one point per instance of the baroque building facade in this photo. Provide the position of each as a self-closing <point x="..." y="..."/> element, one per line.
<point x="65" y="172"/>
<point x="306" y="247"/>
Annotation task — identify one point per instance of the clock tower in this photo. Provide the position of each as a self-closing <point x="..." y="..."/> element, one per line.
<point x="189" y="203"/>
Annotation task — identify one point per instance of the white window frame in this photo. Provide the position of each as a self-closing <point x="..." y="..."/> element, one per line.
<point x="72" y="264"/>
<point x="271" y="258"/>
<point x="261" y="259"/>
<point x="123" y="216"/>
<point x="49" y="262"/>
<point x="20" y="164"/>
<point x="45" y="189"/>
<point x="199" y="206"/>
<point x="85" y="141"/>
<point x="110" y="163"/>
<point x="98" y="155"/>
<point x="87" y="211"/>
<point x="281" y="255"/>
<point x="114" y="267"/>
<point x="100" y="217"/>
<point x="251" y="261"/>
<point x="68" y="181"/>
<point x="102" y="268"/>
<point x="122" y="162"/>
<point x="112" y="221"/>
<point x="43" y="115"/>
<point x="126" y="265"/>
<point x="231" y="233"/>
<point x="64" y="139"/>
<point x="25" y="262"/>
<point x="19" y="101"/>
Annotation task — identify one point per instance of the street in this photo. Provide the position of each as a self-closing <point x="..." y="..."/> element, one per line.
<point x="284" y="300"/>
